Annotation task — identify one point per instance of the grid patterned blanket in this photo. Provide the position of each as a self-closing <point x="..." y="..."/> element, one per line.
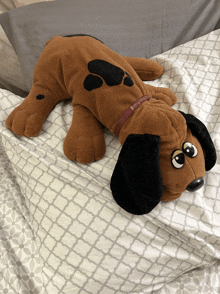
<point x="62" y="232"/>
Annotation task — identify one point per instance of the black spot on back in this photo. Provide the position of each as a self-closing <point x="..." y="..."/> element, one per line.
<point x="92" y="82"/>
<point x="82" y="35"/>
<point x="111" y="74"/>
<point x="128" y="82"/>
<point x="40" y="97"/>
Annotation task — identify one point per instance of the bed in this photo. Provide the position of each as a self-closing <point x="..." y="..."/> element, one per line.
<point x="61" y="230"/>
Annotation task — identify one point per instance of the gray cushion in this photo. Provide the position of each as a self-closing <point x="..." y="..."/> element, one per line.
<point x="132" y="28"/>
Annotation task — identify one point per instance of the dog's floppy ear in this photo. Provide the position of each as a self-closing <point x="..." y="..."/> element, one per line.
<point x="136" y="182"/>
<point x="200" y="131"/>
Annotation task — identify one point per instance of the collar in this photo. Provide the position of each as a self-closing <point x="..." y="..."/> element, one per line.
<point x="128" y="112"/>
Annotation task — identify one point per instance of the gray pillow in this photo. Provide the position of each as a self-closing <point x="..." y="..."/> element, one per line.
<point x="141" y="28"/>
<point x="11" y="76"/>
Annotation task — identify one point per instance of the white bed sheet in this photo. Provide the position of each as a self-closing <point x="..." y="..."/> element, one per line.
<point x="61" y="231"/>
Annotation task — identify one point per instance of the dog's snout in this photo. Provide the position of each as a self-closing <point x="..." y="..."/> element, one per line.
<point x="195" y="185"/>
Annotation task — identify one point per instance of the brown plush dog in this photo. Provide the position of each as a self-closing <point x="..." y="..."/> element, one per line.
<point x="164" y="151"/>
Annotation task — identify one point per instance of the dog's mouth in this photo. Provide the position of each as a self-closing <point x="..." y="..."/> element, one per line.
<point x="168" y="195"/>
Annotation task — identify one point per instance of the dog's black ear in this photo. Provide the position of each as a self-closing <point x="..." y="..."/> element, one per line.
<point x="136" y="182"/>
<point x="200" y="131"/>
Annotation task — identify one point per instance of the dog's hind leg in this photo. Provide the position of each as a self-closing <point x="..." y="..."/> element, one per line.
<point x="27" y="119"/>
<point x="84" y="141"/>
<point x="146" y="69"/>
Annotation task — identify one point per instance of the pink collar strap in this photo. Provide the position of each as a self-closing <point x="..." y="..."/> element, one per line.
<point x="128" y="112"/>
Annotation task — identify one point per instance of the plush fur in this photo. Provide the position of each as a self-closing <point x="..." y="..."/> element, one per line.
<point x="155" y="162"/>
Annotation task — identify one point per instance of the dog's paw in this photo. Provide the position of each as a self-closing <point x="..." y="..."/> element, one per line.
<point x="24" y="123"/>
<point x="84" y="149"/>
<point x="165" y="95"/>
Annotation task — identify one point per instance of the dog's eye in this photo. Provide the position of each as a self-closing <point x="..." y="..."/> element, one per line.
<point x="178" y="159"/>
<point x="189" y="149"/>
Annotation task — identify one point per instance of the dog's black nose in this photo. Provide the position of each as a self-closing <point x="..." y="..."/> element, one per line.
<point x="195" y="185"/>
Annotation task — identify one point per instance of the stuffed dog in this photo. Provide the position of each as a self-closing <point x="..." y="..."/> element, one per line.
<point x="164" y="151"/>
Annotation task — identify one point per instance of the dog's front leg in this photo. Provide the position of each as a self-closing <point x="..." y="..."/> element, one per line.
<point x="84" y="141"/>
<point x="163" y="94"/>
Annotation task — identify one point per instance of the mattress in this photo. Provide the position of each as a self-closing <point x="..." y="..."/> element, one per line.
<point x="61" y="230"/>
